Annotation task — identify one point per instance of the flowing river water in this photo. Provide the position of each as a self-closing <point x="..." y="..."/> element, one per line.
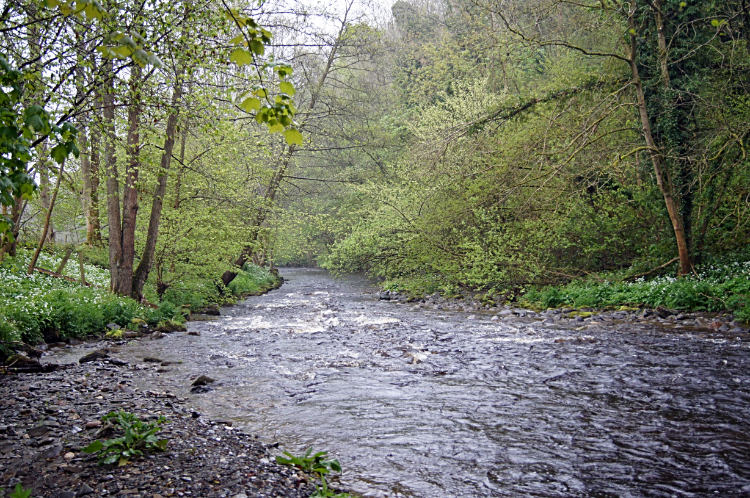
<point x="435" y="404"/>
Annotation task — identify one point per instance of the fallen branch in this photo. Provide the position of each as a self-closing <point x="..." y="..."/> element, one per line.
<point x="87" y="284"/>
<point x="633" y="277"/>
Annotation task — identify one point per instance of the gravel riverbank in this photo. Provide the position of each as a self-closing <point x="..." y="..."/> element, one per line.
<point x="47" y="418"/>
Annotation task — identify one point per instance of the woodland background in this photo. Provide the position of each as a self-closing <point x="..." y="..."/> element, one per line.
<point x="541" y="147"/>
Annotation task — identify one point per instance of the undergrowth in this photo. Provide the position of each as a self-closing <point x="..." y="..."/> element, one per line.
<point x="717" y="287"/>
<point x="32" y="306"/>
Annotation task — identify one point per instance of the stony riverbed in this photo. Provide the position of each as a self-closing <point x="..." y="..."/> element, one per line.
<point x="445" y="399"/>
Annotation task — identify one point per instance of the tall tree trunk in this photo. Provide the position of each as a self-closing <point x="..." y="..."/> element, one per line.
<point x="144" y="267"/>
<point x="662" y="40"/>
<point x="655" y="154"/>
<point x="93" y="224"/>
<point x="16" y="213"/>
<point x="88" y="140"/>
<point x="181" y="168"/>
<point x="130" y="190"/>
<point x="113" y="182"/>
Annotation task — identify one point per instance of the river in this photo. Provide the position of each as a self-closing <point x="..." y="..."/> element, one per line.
<point x="442" y="404"/>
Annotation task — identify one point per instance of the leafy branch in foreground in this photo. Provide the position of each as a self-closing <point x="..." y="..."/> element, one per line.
<point x="316" y="464"/>
<point x="139" y="437"/>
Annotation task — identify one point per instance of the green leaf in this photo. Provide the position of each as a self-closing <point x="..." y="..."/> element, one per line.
<point x="93" y="447"/>
<point x="35" y="122"/>
<point x="287" y="88"/>
<point x="140" y="57"/>
<point x="276" y="128"/>
<point x="20" y="492"/>
<point x="59" y="153"/>
<point x="257" y="47"/>
<point x="250" y="104"/>
<point x="237" y="40"/>
<point x="241" y="57"/>
<point x="121" y="51"/>
<point x="154" y="60"/>
<point x="293" y="137"/>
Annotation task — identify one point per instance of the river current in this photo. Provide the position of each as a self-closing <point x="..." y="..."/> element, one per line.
<point x="440" y="404"/>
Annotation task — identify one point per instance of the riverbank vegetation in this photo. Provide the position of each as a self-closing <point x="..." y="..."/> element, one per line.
<point x="560" y="151"/>
<point x="39" y="307"/>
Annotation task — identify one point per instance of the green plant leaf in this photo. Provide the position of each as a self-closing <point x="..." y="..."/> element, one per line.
<point x="59" y="153"/>
<point x="257" y="47"/>
<point x="250" y="104"/>
<point x="287" y="88"/>
<point x="241" y="57"/>
<point x="293" y="136"/>
<point x="93" y="447"/>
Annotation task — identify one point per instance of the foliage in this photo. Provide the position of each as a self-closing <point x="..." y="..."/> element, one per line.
<point x="32" y="305"/>
<point x="19" y="125"/>
<point x="138" y="438"/>
<point x="717" y="287"/>
<point x="315" y="463"/>
<point x="520" y="163"/>
<point x="251" y="279"/>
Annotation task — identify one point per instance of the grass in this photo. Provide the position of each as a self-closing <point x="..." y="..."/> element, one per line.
<point x="717" y="287"/>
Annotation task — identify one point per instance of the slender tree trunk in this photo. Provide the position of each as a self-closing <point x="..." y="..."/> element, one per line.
<point x="180" y="169"/>
<point x="662" y="38"/>
<point x="656" y="158"/>
<point x="44" y="185"/>
<point x="85" y="158"/>
<point x="93" y="224"/>
<point x="43" y="238"/>
<point x="113" y="183"/>
<point x="16" y="213"/>
<point x="144" y="267"/>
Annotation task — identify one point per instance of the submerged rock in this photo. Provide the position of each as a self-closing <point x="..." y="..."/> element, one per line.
<point x="203" y="380"/>
<point x="93" y="356"/>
